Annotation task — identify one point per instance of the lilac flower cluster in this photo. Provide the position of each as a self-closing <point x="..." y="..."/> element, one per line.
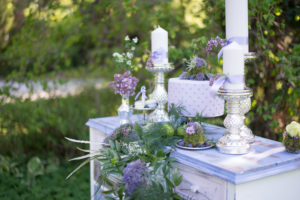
<point x="214" y="43"/>
<point x="124" y="84"/>
<point x="193" y="128"/>
<point x="149" y="63"/>
<point x="134" y="175"/>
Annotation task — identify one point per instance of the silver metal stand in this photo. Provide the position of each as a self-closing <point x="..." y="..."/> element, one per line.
<point x="246" y="132"/>
<point x="232" y="142"/>
<point x="160" y="94"/>
<point x="246" y="104"/>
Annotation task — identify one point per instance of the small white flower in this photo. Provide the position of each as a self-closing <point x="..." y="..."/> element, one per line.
<point x="135" y="40"/>
<point x="127" y="38"/>
<point x="128" y="62"/>
<point x="116" y="54"/>
<point x="129" y="55"/>
<point x="132" y="48"/>
<point x="120" y="59"/>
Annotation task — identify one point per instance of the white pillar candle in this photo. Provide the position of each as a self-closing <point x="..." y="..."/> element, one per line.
<point x="159" y="46"/>
<point x="236" y="12"/>
<point x="233" y="66"/>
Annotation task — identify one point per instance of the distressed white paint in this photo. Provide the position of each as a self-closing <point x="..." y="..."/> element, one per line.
<point x="278" y="187"/>
<point x="95" y="136"/>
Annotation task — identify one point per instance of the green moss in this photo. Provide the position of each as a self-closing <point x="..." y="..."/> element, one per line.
<point x="291" y="144"/>
<point x="195" y="139"/>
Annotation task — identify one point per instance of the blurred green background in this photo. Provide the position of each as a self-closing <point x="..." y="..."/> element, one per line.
<point x="53" y="41"/>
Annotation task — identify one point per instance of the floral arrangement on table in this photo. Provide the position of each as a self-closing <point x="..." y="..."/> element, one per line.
<point x="193" y="135"/>
<point x="196" y="67"/>
<point x="192" y="89"/>
<point x="125" y="84"/>
<point x="135" y="164"/>
<point x="291" y="137"/>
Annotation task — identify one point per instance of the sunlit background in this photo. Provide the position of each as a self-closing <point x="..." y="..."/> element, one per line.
<point x="56" y="60"/>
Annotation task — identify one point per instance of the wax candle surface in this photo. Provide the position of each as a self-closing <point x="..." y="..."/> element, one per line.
<point x="159" y="46"/>
<point x="233" y="66"/>
<point x="236" y="12"/>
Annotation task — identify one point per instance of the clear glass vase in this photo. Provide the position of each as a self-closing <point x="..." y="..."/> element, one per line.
<point x="124" y="111"/>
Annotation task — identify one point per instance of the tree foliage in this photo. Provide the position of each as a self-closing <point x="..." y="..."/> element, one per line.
<point x="48" y="37"/>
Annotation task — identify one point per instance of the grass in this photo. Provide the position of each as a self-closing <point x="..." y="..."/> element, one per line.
<point x="37" y="129"/>
<point x="48" y="186"/>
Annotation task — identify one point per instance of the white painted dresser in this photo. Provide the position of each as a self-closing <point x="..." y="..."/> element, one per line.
<point x="266" y="173"/>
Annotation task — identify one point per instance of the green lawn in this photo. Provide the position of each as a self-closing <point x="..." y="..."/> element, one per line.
<point x="48" y="186"/>
<point x="30" y="129"/>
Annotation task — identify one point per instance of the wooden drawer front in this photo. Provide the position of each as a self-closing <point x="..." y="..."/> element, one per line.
<point x="197" y="185"/>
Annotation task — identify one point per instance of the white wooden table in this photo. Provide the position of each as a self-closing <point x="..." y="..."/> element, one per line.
<point x="268" y="172"/>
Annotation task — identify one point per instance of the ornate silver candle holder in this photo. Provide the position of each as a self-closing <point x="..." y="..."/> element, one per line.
<point x="160" y="94"/>
<point x="232" y="142"/>
<point x="246" y="132"/>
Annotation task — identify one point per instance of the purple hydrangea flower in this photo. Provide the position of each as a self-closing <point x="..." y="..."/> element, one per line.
<point x="190" y="130"/>
<point x="285" y="134"/>
<point x="124" y="84"/>
<point x="134" y="175"/>
<point x="296" y="138"/>
<point x="193" y="127"/>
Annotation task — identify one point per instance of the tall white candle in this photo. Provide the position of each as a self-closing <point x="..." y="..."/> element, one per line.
<point x="233" y="66"/>
<point x="159" y="46"/>
<point x="236" y="12"/>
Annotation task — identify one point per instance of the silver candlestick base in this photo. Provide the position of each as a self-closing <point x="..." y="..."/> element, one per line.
<point x="160" y="94"/>
<point x="232" y="142"/>
<point x="246" y="132"/>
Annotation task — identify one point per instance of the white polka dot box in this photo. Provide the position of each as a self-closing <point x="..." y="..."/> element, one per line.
<point x="195" y="97"/>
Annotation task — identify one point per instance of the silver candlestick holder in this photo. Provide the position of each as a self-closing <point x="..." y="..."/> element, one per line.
<point x="160" y="94"/>
<point x="232" y="142"/>
<point x="246" y="132"/>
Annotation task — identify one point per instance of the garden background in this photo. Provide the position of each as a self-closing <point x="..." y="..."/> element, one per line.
<point x="52" y="43"/>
